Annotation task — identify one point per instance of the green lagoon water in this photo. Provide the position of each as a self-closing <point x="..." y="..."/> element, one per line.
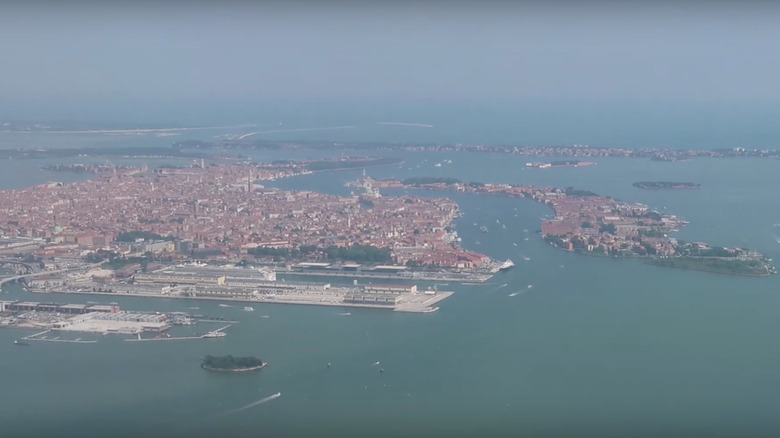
<point x="596" y="347"/>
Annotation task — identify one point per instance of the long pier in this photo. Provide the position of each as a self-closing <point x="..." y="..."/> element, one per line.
<point x="34" y="337"/>
<point x="180" y="338"/>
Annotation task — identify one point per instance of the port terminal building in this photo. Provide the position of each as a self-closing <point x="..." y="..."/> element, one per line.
<point x="119" y="323"/>
<point x="179" y="278"/>
<point x="373" y="299"/>
<point x="70" y="309"/>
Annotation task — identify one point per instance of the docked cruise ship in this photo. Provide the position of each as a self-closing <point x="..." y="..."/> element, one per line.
<point x="506" y="265"/>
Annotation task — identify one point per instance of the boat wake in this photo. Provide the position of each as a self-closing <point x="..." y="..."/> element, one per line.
<point x="503" y="285"/>
<point x="258" y="402"/>
<point x="345" y="314"/>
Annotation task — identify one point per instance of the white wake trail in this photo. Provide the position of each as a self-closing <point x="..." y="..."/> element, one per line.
<point x="253" y="404"/>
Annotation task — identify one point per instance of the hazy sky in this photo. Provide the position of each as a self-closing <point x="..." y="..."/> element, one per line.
<point x="347" y="50"/>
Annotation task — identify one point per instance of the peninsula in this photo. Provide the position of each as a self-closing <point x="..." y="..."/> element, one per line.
<point x="660" y="185"/>
<point x="230" y="363"/>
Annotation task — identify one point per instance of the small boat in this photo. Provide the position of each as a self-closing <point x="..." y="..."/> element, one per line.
<point x="21" y="344"/>
<point x="249" y="309"/>
<point x="513" y="294"/>
<point x="345" y="314"/>
<point x="224" y="305"/>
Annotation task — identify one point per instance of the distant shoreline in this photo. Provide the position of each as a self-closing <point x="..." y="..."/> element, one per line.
<point x="666" y="185"/>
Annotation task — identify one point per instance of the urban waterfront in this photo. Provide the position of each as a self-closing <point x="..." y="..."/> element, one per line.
<point x="608" y="345"/>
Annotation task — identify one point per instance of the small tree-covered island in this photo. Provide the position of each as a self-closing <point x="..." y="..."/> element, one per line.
<point x="230" y="363"/>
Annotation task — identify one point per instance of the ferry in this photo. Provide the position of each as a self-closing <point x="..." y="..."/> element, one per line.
<point x="249" y="309"/>
<point x="506" y="265"/>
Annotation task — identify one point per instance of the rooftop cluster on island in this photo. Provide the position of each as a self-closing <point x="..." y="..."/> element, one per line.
<point x="588" y="223"/>
<point x="222" y="210"/>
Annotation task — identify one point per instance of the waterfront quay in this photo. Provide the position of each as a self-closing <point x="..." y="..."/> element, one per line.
<point x="93" y="319"/>
<point x="245" y="285"/>
<point x="380" y="272"/>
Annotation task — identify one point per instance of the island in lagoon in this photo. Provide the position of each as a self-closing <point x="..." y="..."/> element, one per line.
<point x="588" y="223"/>
<point x="658" y="185"/>
<point x="230" y="363"/>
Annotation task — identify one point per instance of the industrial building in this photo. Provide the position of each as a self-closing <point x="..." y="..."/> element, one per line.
<point x="226" y="292"/>
<point x="72" y="309"/>
<point x="179" y="278"/>
<point x="391" y="288"/>
<point x="373" y="299"/>
<point x="120" y="323"/>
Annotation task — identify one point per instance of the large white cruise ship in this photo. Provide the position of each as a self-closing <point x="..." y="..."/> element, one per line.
<point x="506" y="265"/>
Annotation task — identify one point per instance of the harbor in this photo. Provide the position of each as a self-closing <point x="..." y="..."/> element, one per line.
<point x="218" y="333"/>
<point x="58" y="321"/>
<point x="43" y="337"/>
<point x="383" y="272"/>
<point x="245" y="285"/>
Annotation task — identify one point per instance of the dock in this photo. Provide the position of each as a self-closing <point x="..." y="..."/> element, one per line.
<point x="39" y="337"/>
<point x="218" y="333"/>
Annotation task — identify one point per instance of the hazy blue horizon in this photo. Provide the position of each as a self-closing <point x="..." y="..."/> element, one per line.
<point x="612" y="123"/>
